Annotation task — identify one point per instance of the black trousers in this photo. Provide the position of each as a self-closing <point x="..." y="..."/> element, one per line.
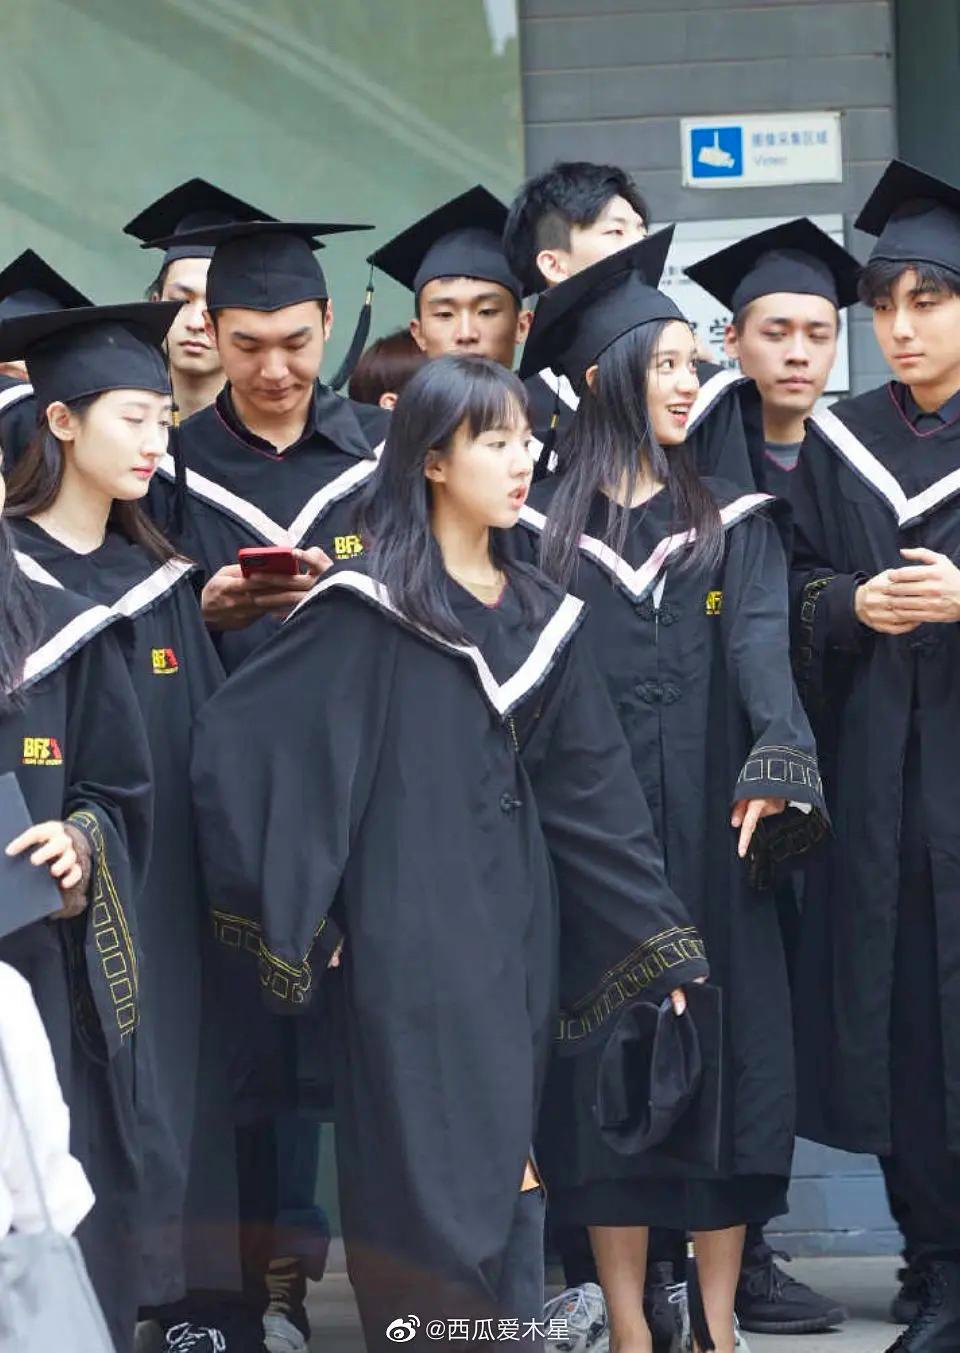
<point x="922" y="1175"/>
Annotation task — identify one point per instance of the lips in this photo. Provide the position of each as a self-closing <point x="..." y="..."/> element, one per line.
<point x="144" y="471"/>
<point x="191" y="346"/>
<point x="519" y="496"/>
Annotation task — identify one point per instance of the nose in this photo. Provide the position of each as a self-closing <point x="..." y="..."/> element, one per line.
<point x="902" y="324"/>
<point x="194" y="316"/>
<point x="466" y="327"/>
<point x="273" y="367"/>
<point x="155" y="439"/>
<point x="688" y="382"/>
<point x="797" y="354"/>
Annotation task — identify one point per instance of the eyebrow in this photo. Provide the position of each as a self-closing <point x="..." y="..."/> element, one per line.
<point x="451" y="300"/>
<point x="288" y="338"/>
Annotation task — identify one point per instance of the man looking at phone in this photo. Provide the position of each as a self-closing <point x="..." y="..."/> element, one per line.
<point x="274" y="461"/>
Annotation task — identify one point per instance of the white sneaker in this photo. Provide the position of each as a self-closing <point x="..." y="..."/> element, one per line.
<point x="280" y="1335"/>
<point x="583" y="1313"/>
<point x="683" y="1337"/>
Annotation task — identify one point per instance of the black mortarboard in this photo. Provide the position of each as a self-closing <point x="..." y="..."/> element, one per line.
<point x="28" y="891"/>
<point x="659" y="1080"/>
<point x="578" y="320"/>
<point x="796" y="257"/>
<point x="28" y="285"/>
<point x="74" y="353"/>
<point x="463" y="238"/>
<point x="262" y="265"/>
<point x="915" y="216"/>
<point x="191" y="206"/>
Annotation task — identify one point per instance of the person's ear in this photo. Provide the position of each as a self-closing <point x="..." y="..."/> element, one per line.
<point x="388" y="400"/>
<point x="731" y="342"/>
<point x="524" y="320"/>
<point x="590" y="376"/>
<point x="416" y="333"/>
<point x="209" y="327"/>
<point x="61" y="421"/>
<point x="434" y="468"/>
<point x="554" y="265"/>
<point x="328" y="320"/>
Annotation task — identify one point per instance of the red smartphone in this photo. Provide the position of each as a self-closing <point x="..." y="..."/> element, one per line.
<point x="278" y="560"/>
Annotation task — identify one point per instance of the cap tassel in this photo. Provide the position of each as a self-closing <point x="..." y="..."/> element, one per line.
<point x="547" y="459"/>
<point x="179" y="515"/>
<point x="699" y="1327"/>
<point x="359" y="341"/>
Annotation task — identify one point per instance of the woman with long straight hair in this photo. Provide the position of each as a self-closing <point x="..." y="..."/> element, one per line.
<point x="74" y="507"/>
<point x="422" y="777"/>
<point x="64" y="693"/>
<point x="685" y="581"/>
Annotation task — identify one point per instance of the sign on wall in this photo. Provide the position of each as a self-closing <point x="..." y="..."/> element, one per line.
<point x="694" y="240"/>
<point x="761" y="149"/>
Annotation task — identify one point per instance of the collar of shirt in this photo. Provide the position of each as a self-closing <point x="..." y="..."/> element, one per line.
<point x="922" y="419"/>
<point x="330" y="420"/>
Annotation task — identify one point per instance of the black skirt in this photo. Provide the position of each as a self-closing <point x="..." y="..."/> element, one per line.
<point x="675" y="1204"/>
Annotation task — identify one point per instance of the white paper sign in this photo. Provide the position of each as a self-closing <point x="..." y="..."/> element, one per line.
<point x="694" y="240"/>
<point x="757" y="150"/>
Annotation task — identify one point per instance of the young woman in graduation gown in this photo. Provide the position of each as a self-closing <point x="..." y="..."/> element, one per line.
<point x="431" y="775"/>
<point x="73" y="504"/>
<point x="876" y="603"/>
<point x="64" y="694"/>
<point x="686" y="588"/>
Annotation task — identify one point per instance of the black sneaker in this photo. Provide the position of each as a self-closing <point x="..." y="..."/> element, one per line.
<point x="657" y="1305"/>
<point x="769" y="1301"/>
<point x="906" y="1303"/>
<point x="936" y="1326"/>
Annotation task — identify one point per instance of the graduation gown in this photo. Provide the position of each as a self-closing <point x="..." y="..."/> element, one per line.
<point x="174" y="669"/>
<point x="722" y="432"/>
<point x="867" y="485"/>
<point x="467" y="818"/>
<point x="698" y="668"/>
<point x="241" y="492"/>
<point x="79" y="752"/>
<point x="18" y="418"/>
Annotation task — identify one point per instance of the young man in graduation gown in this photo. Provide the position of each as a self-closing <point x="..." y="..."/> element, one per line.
<point x="785" y="288"/>
<point x="467" y="301"/>
<point x="561" y="222"/>
<point x="278" y="457"/>
<point x="27" y="285"/>
<point x="196" y="373"/>
<point x="877" y="600"/>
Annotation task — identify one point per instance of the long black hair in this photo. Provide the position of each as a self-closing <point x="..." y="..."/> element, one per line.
<point x="36" y="479"/>
<point x="20" y="624"/>
<point x="394" y="514"/>
<point x="606" y="444"/>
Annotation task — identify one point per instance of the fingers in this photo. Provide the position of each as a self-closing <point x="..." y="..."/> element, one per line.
<point x="678" y="1000"/>
<point x="750" y="820"/>
<point x="739" y="808"/>
<point x="924" y="555"/>
<point x="317" y="561"/>
<point x="37" y="835"/>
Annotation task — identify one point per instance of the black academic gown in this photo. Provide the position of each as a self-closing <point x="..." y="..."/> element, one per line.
<point x="241" y="492"/>
<point x="377" y="793"/>
<point x="722" y="433"/>
<point x="884" y="707"/>
<point x="699" y="674"/>
<point x="79" y="752"/>
<point x="18" y="418"/>
<point x="174" y="669"/>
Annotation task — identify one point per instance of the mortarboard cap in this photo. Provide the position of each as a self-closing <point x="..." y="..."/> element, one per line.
<point x="575" y="322"/>
<point x="462" y="238"/>
<point x="795" y="257"/>
<point x="262" y="265"/>
<point x="84" y="351"/>
<point x="659" y="1080"/>
<point x="915" y="217"/>
<point x="190" y="206"/>
<point x="29" y="284"/>
<point x="29" y="893"/>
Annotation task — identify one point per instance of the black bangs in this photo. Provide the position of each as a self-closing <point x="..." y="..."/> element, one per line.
<point x="497" y="399"/>
<point x="880" y="277"/>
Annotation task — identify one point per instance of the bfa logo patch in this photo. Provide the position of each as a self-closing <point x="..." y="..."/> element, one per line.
<point x="164" y="662"/>
<point x="347" y="547"/>
<point x="42" y="752"/>
<point x="714" y="603"/>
